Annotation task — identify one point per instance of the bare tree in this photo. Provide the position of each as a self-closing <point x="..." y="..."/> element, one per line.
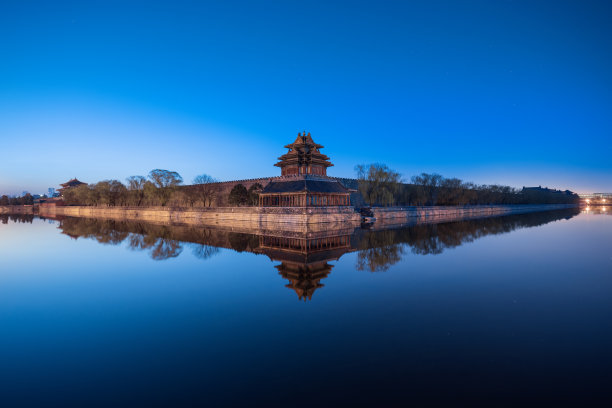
<point x="136" y="187"/>
<point x="165" y="178"/>
<point x="205" y="191"/>
<point x="166" y="182"/>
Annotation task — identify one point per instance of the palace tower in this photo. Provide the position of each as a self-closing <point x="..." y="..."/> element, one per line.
<point x="304" y="157"/>
<point x="304" y="181"/>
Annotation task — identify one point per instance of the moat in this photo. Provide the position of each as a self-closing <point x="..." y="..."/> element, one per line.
<point x="102" y="312"/>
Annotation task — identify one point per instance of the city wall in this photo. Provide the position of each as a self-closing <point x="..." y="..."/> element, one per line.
<point x="243" y="218"/>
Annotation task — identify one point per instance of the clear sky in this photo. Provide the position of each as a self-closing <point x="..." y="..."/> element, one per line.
<point x="512" y="92"/>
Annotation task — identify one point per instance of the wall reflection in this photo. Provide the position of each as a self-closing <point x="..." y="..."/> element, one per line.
<point x="304" y="257"/>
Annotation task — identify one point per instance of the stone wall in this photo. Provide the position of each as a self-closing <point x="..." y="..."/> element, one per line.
<point x="298" y="219"/>
<point x="223" y="188"/>
<point x="410" y="215"/>
<point x="16" y="209"/>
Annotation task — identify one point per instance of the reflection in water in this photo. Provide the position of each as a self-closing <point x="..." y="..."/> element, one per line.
<point x="20" y="218"/>
<point x="304" y="279"/>
<point x="379" y="250"/>
<point x="598" y="209"/>
<point x="202" y="251"/>
<point x="304" y="258"/>
<point x="304" y="261"/>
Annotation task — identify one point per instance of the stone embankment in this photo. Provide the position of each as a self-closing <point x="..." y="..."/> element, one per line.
<point x="310" y="219"/>
<point x="298" y="219"/>
<point x="418" y="215"/>
<point x="17" y="209"/>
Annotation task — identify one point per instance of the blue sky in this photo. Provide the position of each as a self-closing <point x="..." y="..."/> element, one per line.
<point x="507" y="92"/>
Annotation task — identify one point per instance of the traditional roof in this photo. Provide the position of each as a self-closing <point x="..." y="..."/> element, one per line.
<point x="72" y="183"/>
<point x="304" y="184"/>
<point x="303" y="151"/>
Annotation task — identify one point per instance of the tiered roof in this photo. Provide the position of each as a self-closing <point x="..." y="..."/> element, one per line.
<point x="72" y="183"/>
<point x="303" y="152"/>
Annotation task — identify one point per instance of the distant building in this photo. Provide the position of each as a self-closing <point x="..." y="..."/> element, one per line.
<point x="540" y="189"/>
<point x="596" y="198"/>
<point x="51" y="191"/>
<point x="69" y="184"/>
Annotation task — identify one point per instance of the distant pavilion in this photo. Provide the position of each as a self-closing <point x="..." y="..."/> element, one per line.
<point x="69" y="184"/>
<point x="304" y="181"/>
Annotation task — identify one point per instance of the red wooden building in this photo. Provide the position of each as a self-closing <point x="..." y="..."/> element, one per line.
<point x="304" y="181"/>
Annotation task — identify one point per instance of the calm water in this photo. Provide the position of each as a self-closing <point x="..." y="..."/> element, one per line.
<point x="501" y="311"/>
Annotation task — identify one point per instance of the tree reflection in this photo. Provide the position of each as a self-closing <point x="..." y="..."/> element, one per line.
<point x="378" y="250"/>
<point x="165" y="249"/>
<point x="17" y="218"/>
<point x="306" y="258"/>
<point x="203" y="251"/>
<point x="157" y="239"/>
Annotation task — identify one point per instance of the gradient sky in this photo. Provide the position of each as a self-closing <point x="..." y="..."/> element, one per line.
<point x="512" y="92"/>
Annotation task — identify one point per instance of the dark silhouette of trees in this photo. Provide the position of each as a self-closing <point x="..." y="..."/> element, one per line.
<point x="238" y="196"/>
<point x="427" y="187"/>
<point x="25" y="199"/>
<point x="253" y="194"/>
<point x="382" y="187"/>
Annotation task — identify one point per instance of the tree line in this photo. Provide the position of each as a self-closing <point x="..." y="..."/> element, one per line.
<point x="159" y="188"/>
<point x="381" y="186"/>
<point x="25" y="199"/>
<point x="378" y="184"/>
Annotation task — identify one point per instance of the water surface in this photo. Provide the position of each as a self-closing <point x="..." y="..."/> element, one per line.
<point x="505" y="310"/>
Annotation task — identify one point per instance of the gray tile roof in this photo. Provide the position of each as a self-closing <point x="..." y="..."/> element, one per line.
<point x="313" y="186"/>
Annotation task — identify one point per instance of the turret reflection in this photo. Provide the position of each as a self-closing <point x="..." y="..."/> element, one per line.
<point x="304" y="261"/>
